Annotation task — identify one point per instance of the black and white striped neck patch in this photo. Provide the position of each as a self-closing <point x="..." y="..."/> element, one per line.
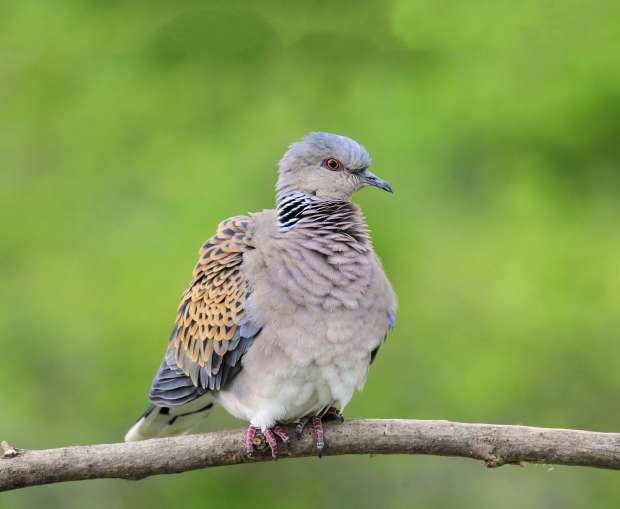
<point x="291" y="208"/>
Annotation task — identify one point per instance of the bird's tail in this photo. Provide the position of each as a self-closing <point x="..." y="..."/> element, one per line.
<point x="163" y="421"/>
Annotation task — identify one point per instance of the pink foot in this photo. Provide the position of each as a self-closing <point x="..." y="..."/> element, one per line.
<point x="283" y="435"/>
<point x="317" y="427"/>
<point x="270" y="437"/>
<point x="271" y="440"/>
<point x="249" y="440"/>
<point x="301" y="425"/>
<point x="330" y="413"/>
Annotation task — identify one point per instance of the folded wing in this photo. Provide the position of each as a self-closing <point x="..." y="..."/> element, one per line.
<point x="213" y="329"/>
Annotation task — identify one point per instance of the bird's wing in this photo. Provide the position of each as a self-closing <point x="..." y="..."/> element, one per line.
<point x="391" y="304"/>
<point x="391" y="317"/>
<point x="213" y="329"/>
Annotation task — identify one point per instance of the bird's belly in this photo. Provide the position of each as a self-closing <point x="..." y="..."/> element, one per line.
<point x="271" y="388"/>
<point x="304" y="359"/>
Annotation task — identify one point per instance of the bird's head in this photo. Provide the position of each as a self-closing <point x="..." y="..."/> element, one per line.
<point x="327" y="165"/>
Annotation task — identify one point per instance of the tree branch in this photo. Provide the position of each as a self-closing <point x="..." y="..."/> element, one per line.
<point x="496" y="445"/>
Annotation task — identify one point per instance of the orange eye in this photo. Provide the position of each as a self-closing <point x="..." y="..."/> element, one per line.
<point x="332" y="164"/>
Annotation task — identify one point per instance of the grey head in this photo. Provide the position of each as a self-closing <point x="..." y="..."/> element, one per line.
<point x="326" y="165"/>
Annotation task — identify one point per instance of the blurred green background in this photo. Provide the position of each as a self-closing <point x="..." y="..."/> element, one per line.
<point x="129" y="129"/>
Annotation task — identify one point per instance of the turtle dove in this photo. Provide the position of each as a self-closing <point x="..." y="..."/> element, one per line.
<point x="286" y="308"/>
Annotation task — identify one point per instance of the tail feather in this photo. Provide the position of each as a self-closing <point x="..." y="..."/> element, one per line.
<point x="163" y="421"/>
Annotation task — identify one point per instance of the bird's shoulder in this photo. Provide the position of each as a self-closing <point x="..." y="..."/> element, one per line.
<point x="233" y="235"/>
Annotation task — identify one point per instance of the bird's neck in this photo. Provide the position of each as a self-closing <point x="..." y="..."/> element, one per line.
<point x="301" y="211"/>
<point x="291" y="205"/>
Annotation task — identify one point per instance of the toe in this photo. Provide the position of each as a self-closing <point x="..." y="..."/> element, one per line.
<point x="317" y="427"/>
<point x="249" y="440"/>
<point x="300" y="426"/>
<point x="271" y="440"/>
<point x="283" y="435"/>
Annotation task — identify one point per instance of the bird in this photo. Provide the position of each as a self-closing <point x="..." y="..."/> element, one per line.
<point x="286" y="309"/>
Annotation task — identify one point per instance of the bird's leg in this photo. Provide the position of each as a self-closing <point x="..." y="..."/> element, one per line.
<point x="317" y="427"/>
<point x="269" y="435"/>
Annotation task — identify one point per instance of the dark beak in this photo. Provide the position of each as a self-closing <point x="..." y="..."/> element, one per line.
<point x="370" y="179"/>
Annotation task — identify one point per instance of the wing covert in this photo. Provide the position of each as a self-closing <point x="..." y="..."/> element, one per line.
<point x="212" y="329"/>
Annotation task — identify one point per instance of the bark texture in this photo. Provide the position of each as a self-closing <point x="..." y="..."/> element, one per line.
<point x="496" y="445"/>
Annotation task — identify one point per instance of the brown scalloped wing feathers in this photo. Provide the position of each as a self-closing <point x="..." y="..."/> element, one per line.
<point x="214" y="303"/>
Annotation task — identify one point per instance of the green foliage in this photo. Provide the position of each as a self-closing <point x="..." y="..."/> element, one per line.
<point x="129" y="129"/>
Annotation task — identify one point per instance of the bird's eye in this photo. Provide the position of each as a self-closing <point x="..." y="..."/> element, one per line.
<point x="332" y="164"/>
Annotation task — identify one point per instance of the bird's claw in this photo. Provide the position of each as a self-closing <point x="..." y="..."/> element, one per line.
<point x="331" y="413"/>
<point x="300" y="425"/>
<point x="283" y="435"/>
<point x="255" y="437"/>
<point x="319" y="437"/>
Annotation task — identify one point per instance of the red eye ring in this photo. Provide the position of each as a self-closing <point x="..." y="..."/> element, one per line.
<point x="332" y="164"/>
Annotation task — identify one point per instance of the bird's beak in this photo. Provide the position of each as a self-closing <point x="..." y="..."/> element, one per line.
<point x="370" y="179"/>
